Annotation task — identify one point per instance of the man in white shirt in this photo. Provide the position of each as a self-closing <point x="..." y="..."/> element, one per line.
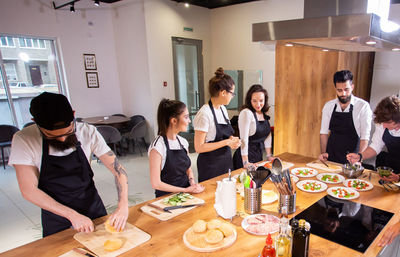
<point x="51" y="160"/>
<point x="346" y="121"/>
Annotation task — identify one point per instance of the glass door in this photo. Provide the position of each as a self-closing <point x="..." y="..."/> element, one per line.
<point x="188" y="74"/>
<point x="6" y="117"/>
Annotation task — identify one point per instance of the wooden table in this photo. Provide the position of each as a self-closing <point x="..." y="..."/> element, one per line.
<point x="115" y="121"/>
<point x="167" y="236"/>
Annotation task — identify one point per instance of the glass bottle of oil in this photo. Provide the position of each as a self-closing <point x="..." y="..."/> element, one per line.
<point x="301" y="238"/>
<point x="283" y="241"/>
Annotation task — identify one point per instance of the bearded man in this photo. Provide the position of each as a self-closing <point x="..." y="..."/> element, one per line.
<point x="346" y="121"/>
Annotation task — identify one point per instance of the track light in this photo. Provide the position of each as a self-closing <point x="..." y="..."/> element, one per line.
<point x="72" y="8"/>
<point x="96" y="2"/>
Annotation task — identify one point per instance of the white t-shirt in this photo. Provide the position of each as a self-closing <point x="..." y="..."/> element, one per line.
<point x="26" y="146"/>
<point x="362" y="116"/>
<point x="159" y="145"/>
<point x="377" y="143"/>
<point x="247" y="128"/>
<point x="204" y="120"/>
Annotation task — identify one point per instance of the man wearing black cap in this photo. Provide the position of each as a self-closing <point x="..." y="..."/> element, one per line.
<point x="53" y="171"/>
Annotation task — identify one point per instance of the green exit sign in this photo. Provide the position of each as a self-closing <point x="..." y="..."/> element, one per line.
<point x="187" y="29"/>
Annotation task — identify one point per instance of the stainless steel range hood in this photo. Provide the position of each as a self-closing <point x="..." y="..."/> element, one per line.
<point x="339" y="32"/>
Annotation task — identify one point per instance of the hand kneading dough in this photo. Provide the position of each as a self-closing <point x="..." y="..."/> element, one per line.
<point x="214" y="236"/>
<point x="112" y="244"/>
<point x="213" y="224"/>
<point x="199" y="226"/>
<point x="109" y="228"/>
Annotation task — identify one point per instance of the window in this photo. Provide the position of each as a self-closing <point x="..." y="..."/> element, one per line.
<point x="7" y="42"/>
<point x="10" y="71"/>
<point x="32" y="43"/>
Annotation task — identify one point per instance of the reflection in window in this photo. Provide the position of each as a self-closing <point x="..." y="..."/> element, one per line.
<point x="31" y="43"/>
<point x="10" y="71"/>
<point x="7" y="42"/>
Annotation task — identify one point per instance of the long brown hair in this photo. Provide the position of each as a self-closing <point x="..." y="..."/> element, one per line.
<point x="219" y="82"/>
<point x="168" y="109"/>
<point x="254" y="89"/>
<point x="388" y="109"/>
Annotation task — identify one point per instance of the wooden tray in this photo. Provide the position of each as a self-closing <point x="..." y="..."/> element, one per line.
<point x="226" y="242"/>
<point x="163" y="216"/>
<point x="333" y="166"/>
<point x="132" y="237"/>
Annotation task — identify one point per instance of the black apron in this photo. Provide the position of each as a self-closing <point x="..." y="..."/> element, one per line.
<point x="392" y="143"/>
<point x="68" y="180"/>
<point x="176" y="164"/>
<point x="217" y="162"/>
<point x="343" y="137"/>
<point x="256" y="143"/>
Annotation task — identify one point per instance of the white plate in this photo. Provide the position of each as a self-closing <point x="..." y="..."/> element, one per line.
<point x="301" y="183"/>
<point x="268" y="196"/>
<point x="368" y="184"/>
<point x="340" y="178"/>
<point x="349" y="190"/>
<point x="311" y="172"/>
<point x="269" y="227"/>
<point x="294" y="178"/>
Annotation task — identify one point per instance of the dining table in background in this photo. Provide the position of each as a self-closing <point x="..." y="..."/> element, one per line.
<point x="115" y="121"/>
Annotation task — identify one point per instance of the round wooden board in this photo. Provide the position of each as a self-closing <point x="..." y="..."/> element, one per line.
<point x="226" y="242"/>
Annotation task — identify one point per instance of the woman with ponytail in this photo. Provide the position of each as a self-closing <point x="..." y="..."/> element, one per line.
<point x="170" y="169"/>
<point x="213" y="132"/>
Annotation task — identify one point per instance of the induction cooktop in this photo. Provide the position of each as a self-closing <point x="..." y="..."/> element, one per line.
<point x="347" y="223"/>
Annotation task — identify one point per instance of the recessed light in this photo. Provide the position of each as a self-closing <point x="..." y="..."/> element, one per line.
<point x="288" y="44"/>
<point x="370" y="42"/>
<point x="325" y="50"/>
<point x="187" y="5"/>
<point x="396" y="49"/>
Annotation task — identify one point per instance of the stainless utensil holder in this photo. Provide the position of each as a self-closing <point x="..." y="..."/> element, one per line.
<point x="252" y="200"/>
<point x="287" y="204"/>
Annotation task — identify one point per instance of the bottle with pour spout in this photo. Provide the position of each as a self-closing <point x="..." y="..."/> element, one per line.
<point x="283" y="241"/>
<point x="268" y="250"/>
<point x="301" y="239"/>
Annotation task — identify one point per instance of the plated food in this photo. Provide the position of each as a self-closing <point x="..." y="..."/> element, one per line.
<point x="330" y="178"/>
<point x="312" y="186"/>
<point x="209" y="236"/>
<point x="384" y="171"/>
<point x="343" y="193"/>
<point x="261" y="224"/>
<point x="358" y="184"/>
<point x="268" y="196"/>
<point x="304" y="172"/>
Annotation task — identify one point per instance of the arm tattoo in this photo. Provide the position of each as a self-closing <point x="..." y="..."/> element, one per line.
<point x="118" y="168"/>
<point x="119" y="188"/>
<point x="119" y="171"/>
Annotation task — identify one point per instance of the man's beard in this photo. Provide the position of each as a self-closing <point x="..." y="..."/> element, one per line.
<point x="69" y="142"/>
<point x="344" y="100"/>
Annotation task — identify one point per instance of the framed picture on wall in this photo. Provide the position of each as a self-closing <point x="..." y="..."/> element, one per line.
<point x="92" y="79"/>
<point x="90" y="61"/>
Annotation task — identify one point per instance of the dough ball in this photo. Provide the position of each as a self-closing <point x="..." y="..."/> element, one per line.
<point x="226" y="229"/>
<point x="213" y="224"/>
<point x="199" y="226"/>
<point x="112" y="244"/>
<point x="109" y="228"/>
<point x="214" y="236"/>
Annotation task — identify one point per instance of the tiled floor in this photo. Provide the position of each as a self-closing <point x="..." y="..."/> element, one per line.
<point x="21" y="220"/>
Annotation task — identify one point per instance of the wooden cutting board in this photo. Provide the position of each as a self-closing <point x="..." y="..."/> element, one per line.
<point x="163" y="216"/>
<point x="132" y="237"/>
<point x="285" y="165"/>
<point x="333" y="166"/>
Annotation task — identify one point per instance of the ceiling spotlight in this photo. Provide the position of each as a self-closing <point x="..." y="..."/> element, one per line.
<point x="96" y="2"/>
<point x="72" y="8"/>
<point x="187" y="5"/>
<point x="325" y="50"/>
<point x="288" y="44"/>
<point x="396" y="49"/>
<point x="370" y="42"/>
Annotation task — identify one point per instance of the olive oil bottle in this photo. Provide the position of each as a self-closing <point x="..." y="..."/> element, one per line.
<point x="283" y="241"/>
<point x="301" y="238"/>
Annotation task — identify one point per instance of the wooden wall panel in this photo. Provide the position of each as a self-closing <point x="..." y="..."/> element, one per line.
<point x="304" y="82"/>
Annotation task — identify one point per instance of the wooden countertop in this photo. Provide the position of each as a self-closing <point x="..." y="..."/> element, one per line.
<point x="167" y="235"/>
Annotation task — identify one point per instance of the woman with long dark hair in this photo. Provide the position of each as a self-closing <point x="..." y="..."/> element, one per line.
<point x="170" y="169"/>
<point x="254" y="129"/>
<point x="213" y="133"/>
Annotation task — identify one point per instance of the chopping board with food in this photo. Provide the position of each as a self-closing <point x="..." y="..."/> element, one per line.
<point x="209" y="236"/>
<point x="106" y="241"/>
<point x="177" y="202"/>
<point x="332" y="166"/>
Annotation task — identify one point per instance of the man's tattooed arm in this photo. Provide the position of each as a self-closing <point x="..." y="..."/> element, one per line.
<point x="119" y="171"/>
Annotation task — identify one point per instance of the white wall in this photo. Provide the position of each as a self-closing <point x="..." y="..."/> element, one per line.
<point x="231" y="32"/>
<point x="74" y="37"/>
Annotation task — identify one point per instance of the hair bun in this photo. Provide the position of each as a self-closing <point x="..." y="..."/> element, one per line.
<point x="219" y="73"/>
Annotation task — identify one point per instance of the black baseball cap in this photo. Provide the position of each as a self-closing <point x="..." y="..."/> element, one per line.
<point x="51" y="111"/>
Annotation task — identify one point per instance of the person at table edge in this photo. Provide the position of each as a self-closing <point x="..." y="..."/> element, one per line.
<point x="254" y="128"/>
<point x="346" y="121"/>
<point x="170" y="165"/>
<point x="51" y="160"/>
<point x="213" y="133"/>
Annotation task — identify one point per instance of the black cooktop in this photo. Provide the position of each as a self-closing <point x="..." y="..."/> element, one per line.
<point x="347" y="223"/>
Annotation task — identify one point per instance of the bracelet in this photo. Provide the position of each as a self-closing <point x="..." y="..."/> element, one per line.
<point x="361" y="157"/>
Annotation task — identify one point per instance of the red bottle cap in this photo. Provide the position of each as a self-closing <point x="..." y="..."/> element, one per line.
<point x="269" y="240"/>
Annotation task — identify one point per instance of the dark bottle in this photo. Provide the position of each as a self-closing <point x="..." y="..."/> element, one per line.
<point x="301" y="238"/>
<point x="294" y="224"/>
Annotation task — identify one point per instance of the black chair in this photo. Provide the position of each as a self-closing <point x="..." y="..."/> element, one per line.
<point x="137" y="135"/>
<point x="79" y="119"/>
<point x="6" y="134"/>
<point x="119" y="115"/>
<point x="28" y="124"/>
<point x="111" y="135"/>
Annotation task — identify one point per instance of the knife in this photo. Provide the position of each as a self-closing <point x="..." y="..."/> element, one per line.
<point x="324" y="163"/>
<point x="158" y="207"/>
<point x="83" y="252"/>
<point x="181" y="206"/>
